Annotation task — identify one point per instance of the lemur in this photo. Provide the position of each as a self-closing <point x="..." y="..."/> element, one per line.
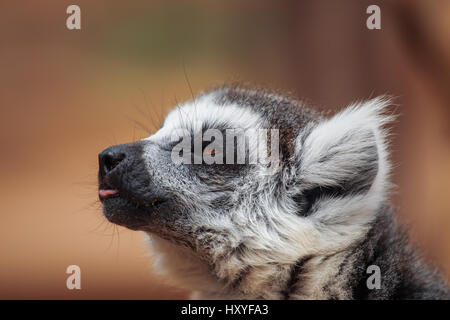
<point x="309" y="229"/>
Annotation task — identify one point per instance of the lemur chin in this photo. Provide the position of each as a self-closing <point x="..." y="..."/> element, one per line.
<point x="309" y="228"/>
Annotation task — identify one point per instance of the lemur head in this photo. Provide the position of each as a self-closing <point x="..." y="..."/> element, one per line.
<point x="317" y="195"/>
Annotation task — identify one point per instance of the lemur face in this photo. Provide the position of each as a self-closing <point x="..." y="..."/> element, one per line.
<point x="315" y="194"/>
<point x="143" y="187"/>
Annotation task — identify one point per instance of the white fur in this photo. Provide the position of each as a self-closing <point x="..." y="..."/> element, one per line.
<point x="192" y="114"/>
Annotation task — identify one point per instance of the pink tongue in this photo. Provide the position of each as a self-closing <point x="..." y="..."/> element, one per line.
<point x="107" y="192"/>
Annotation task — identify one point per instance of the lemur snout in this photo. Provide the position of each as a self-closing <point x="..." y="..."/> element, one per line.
<point x="109" y="158"/>
<point x="129" y="194"/>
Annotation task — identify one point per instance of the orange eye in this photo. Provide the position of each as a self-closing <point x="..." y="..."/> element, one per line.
<point x="210" y="152"/>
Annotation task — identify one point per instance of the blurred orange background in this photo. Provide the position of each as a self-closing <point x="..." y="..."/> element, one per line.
<point x="67" y="94"/>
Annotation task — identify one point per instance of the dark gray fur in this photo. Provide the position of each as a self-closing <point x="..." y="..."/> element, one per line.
<point x="405" y="275"/>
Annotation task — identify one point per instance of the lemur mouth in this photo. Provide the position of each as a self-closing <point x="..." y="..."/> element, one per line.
<point x="123" y="209"/>
<point x="106" y="193"/>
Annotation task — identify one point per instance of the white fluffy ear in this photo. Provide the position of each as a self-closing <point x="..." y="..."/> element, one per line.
<point x="346" y="154"/>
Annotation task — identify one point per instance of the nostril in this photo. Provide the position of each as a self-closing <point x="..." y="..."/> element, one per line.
<point x="109" y="159"/>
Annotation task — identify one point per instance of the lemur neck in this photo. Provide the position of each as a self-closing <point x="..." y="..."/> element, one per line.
<point x="338" y="274"/>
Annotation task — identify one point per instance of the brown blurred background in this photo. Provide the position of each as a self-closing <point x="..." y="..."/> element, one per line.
<point x="65" y="95"/>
